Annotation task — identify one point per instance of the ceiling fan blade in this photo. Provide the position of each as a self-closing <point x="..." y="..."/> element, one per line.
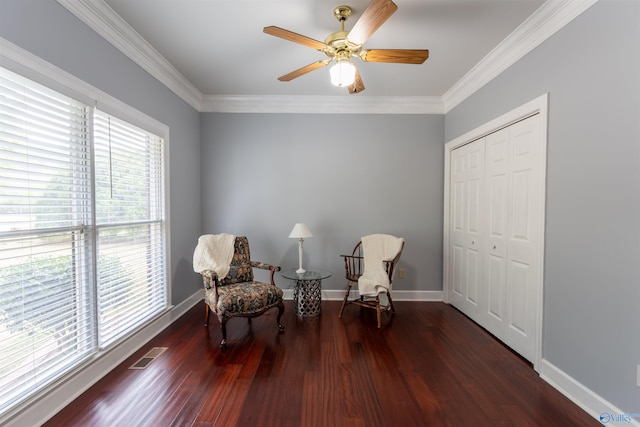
<point x="358" y="85"/>
<point x="294" y="37"/>
<point x="372" y="18"/>
<point x="304" y="70"/>
<point x="399" y="56"/>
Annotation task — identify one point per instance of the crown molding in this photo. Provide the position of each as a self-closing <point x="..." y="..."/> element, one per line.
<point x="110" y="26"/>
<point x="542" y="24"/>
<point x="323" y="104"/>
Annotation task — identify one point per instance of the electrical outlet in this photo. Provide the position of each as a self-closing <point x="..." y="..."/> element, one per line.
<point x="638" y="375"/>
<point x="401" y="273"/>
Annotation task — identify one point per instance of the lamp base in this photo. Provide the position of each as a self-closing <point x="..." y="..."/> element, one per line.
<point x="300" y="270"/>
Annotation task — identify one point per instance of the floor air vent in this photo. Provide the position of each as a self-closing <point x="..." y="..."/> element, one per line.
<point x="148" y="358"/>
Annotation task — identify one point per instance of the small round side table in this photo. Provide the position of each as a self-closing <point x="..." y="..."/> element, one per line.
<point x="307" y="291"/>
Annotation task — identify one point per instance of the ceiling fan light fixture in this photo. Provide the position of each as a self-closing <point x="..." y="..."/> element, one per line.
<point x="343" y="73"/>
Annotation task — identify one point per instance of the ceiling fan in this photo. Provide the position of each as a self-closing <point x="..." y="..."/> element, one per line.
<point x="342" y="46"/>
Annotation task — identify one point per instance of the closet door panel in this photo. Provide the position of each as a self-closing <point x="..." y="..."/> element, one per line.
<point x="457" y="212"/>
<point x="495" y="216"/>
<point x="467" y="177"/>
<point x="519" y="332"/>
<point x="474" y="202"/>
<point x="473" y="281"/>
<point x="518" y="308"/>
<point x="496" y="302"/>
<point x="523" y="245"/>
<point x="473" y="229"/>
<point x="458" y="274"/>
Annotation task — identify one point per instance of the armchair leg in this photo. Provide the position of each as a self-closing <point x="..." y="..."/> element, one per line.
<point x="206" y="314"/>
<point x="346" y="298"/>
<point x="378" y="315"/>
<point x="280" y="313"/>
<point x="223" y="329"/>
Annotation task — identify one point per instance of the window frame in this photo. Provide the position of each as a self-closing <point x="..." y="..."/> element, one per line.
<point x="34" y="68"/>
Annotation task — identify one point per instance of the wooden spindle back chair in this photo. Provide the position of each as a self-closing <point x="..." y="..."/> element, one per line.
<point x="354" y="268"/>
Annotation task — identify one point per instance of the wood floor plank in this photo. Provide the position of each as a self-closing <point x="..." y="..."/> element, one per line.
<point x="219" y="394"/>
<point x="427" y="365"/>
<point x="198" y="388"/>
<point x="233" y="403"/>
<point x="430" y="408"/>
<point x="173" y="403"/>
<point x="312" y="399"/>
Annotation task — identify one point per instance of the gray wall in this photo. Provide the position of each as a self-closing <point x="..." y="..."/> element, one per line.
<point x="345" y="176"/>
<point x="48" y="30"/>
<point x="591" y="70"/>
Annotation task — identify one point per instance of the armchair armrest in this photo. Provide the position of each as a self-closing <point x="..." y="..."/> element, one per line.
<point x="265" y="266"/>
<point x="210" y="279"/>
<point x="353" y="266"/>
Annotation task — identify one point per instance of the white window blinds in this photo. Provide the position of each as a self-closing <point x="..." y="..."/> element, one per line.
<point x="82" y="234"/>
<point x="130" y="225"/>
<point x="46" y="301"/>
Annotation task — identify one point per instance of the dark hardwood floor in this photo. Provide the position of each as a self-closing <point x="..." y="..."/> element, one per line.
<point x="428" y="366"/>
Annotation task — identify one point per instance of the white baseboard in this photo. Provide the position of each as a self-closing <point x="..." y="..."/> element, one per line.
<point x="48" y="403"/>
<point x="593" y="404"/>
<point x="417" y="295"/>
<point x="338" y="295"/>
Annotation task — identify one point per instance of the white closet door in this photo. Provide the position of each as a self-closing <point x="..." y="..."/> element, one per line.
<point x="467" y="174"/>
<point x="495" y="216"/>
<point x="523" y="245"/>
<point x="495" y="211"/>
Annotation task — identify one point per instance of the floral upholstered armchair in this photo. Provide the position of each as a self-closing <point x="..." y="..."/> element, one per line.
<point x="237" y="294"/>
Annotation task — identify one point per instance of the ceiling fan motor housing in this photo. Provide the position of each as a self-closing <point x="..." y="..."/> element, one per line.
<point x="339" y="46"/>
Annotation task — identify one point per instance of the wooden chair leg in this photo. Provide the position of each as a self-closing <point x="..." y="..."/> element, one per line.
<point x="280" y="313"/>
<point x="206" y="314"/>
<point x="393" y="309"/>
<point x="346" y="297"/>
<point x="378" y="314"/>
<point x="223" y="329"/>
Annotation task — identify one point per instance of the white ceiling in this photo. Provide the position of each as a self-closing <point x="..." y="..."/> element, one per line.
<point x="215" y="49"/>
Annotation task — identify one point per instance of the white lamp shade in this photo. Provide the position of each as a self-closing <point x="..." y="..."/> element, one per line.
<point x="300" y="231"/>
<point x="343" y="73"/>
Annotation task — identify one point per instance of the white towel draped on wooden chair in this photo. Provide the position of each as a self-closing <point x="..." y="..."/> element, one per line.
<point x="377" y="248"/>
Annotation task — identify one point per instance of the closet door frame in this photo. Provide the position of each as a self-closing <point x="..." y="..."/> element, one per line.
<point x="536" y="106"/>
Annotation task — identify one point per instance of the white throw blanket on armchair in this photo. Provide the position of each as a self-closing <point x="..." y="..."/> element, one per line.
<point x="377" y="248"/>
<point x="214" y="252"/>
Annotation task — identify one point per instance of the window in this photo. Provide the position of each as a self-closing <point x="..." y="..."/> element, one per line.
<point x="130" y="227"/>
<point x="82" y="234"/>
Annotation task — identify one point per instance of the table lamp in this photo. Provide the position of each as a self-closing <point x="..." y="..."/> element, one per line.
<point x="300" y="231"/>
